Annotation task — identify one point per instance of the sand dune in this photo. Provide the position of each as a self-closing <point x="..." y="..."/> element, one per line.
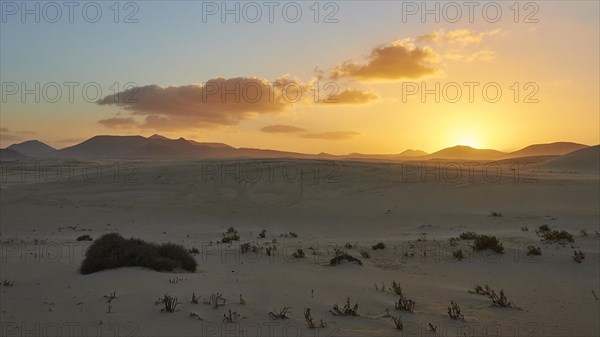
<point x="584" y="160"/>
<point x="334" y="203"/>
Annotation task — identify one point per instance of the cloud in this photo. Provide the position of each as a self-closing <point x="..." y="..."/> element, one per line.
<point x="332" y="135"/>
<point x="401" y="59"/>
<point x="119" y="123"/>
<point x="218" y="102"/>
<point x="461" y="37"/>
<point x="280" y="128"/>
<point x="352" y="96"/>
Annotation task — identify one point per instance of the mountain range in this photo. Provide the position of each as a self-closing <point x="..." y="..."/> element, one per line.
<point x="157" y="147"/>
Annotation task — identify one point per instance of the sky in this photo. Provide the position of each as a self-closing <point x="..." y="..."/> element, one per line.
<point x="305" y="76"/>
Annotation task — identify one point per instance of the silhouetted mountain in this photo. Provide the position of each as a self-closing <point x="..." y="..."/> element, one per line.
<point x="467" y="152"/>
<point x="33" y="148"/>
<point x="11" y="155"/>
<point x="552" y="149"/>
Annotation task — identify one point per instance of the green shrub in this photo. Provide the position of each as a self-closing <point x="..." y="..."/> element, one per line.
<point x="113" y="251"/>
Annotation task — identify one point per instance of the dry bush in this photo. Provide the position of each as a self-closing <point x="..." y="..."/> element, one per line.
<point x="281" y="314"/>
<point x="458" y="254"/>
<point x="484" y="242"/>
<point x="454" y="311"/>
<point x="215" y="300"/>
<point x="468" y="236"/>
<point x="379" y="245"/>
<point x="578" y="256"/>
<point x="299" y="253"/>
<point x="364" y="254"/>
<point x="341" y="255"/>
<point x="348" y="310"/>
<point x="533" y="250"/>
<point x="170" y="303"/>
<point x="556" y="236"/>
<point x="310" y="322"/>
<point x="232" y="317"/>
<point x="398" y="322"/>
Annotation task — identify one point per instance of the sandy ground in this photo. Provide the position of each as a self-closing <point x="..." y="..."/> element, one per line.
<point x="412" y="210"/>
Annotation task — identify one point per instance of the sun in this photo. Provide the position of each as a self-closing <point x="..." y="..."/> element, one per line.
<point x="468" y="141"/>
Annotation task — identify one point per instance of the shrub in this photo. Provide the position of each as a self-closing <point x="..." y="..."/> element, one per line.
<point x="299" y="253"/>
<point x="468" y="236"/>
<point x="310" y="322"/>
<point x="578" y="256"/>
<point x="341" y="256"/>
<point x="501" y="300"/>
<point x="113" y="251"/>
<point x="348" y="310"/>
<point x="398" y="322"/>
<point x="483" y="242"/>
<point x="170" y="303"/>
<point x="458" y="254"/>
<point x="556" y="236"/>
<point x="281" y="314"/>
<point x="454" y="311"/>
<point x="497" y="214"/>
<point x="364" y="254"/>
<point x="533" y="250"/>
<point x="379" y="245"/>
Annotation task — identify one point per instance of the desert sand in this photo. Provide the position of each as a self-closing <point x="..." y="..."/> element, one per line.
<point x="412" y="210"/>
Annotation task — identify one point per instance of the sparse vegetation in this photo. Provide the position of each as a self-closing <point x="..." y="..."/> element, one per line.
<point x="454" y="311"/>
<point x="113" y="251"/>
<point x="556" y="236"/>
<point x="170" y="303"/>
<point x="348" y="310"/>
<point x="404" y="303"/>
<point x="578" y="256"/>
<point x="7" y="283"/>
<point x="299" y="253"/>
<point x="468" y="236"/>
<point x="281" y="314"/>
<point x="232" y="317"/>
<point x="533" y="250"/>
<point x="458" y="254"/>
<point x="310" y="322"/>
<point x="215" y="300"/>
<point x="398" y="322"/>
<point x="484" y="242"/>
<point x="230" y="236"/>
<point x="341" y="255"/>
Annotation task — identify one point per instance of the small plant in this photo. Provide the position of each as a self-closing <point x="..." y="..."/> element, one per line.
<point x="310" y="322"/>
<point x="379" y="245"/>
<point x="196" y="316"/>
<point x="578" y="256"/>
<point x="194" y="250"/>
<point x="398" y="322"/>
<point x="348" y="310"/>
<point x="432" y="328"/>
<point x="533" y="250"/>
<point x="542" y="229"/>
<point x="348" y="245"/>
<point x="468" y="236"/>
<point x="595" y="295"/>
<point x="458" y="254"/>
<point x="111" y="296"/>
<point x="482" y="291"/>
<point x="583" y="233"/>
<point x="85" y="238"/>
<point x="293" y="234"/>
<point x="194" y="298"/>
<point x="496" y="214"/>
<point x="524" y="229"/>
<point x="262" y="234"/>
<point x="232" y="317"/>
<point x="501" y="300"/>
<point x="7" y="283"/>
<point x="364" y="254"/>
<point x="215" y="300"/>
<point x="281" y="314"/>
<point x="453" y="241"/>
<point x="230" y="236"/>
<point x="242" y="300"/>
<point x="396" y="288"/>
<point x="169" y="302"/>
<point x="299" y="253"/>
<point x="484" y="242"/>
<point x="405" y="304"/>
<point x="109" y="306"/>
<point x="454" y="311"/>
<point x="341" y="256"/>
